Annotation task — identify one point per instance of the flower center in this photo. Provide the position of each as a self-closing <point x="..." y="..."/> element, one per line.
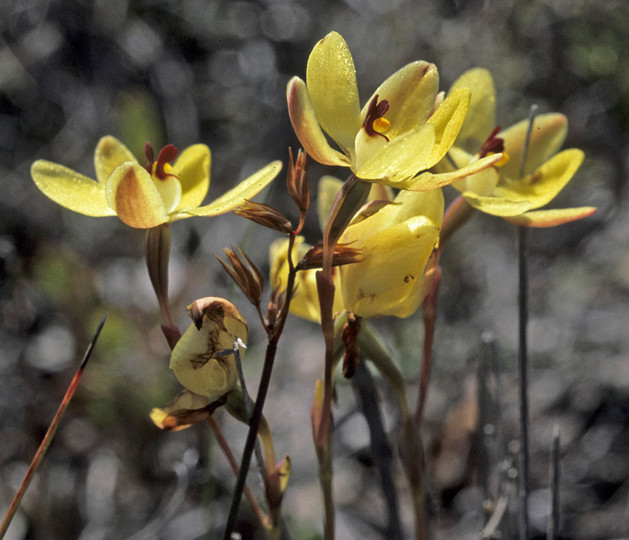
<point x="375" y="123"/>
<point x="163" y="175"/>
<point x="494" y="145"/>
<point x="161" y="168"/>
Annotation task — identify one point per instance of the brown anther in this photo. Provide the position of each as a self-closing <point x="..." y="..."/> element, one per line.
<point x="374" y="112"/>
<point x="168" y="154"/>
<point x="297" y="180"/>
<point x="492" y="145"/>
<point x="265" y="215"/>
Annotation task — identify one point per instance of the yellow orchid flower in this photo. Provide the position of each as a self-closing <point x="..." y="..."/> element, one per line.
<point x="396" y="246"/>
<point x="513" y="190"/>
<point x="403" y="129"/>
<point x="145" y="197"/>
<point x="395" y="240"/>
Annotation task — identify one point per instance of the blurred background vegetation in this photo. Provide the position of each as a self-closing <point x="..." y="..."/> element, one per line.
<point x="212" y="71"/>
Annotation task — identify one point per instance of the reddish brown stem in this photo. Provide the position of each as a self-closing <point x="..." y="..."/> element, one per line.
<point x="222" y="442"/>
<point x="429" y="317"/>
<point x="43" y="447"/>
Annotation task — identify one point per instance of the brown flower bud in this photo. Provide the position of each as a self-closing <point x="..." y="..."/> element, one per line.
<point x="276" y="305"/>
<point x="297" y="180"/>
<point x="343" y="254"/>
<point x="246" y="274"/>
<point x="265" y="215"/>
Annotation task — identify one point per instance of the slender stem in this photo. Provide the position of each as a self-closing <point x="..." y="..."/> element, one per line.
<point x="411" y="451"/>
<point x="263" y="388"/>
<point x="429" y="316"/>
<point x="456" y="215"/>
<point x="222" y="442"/>
<point x="350" y="198"/>
<point x="249" y="408"/>
<point x="555" y="473"/>
<point x="523" y="351"/>
<point x="365" y="388"/>
<point x="50" y="433"/>
<point x="523" y="379"/>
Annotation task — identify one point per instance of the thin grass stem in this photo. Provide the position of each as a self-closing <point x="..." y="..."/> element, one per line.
<point x="43" y="447"/>
<point x="523" y="406"/>
<point x="523" y="492"/>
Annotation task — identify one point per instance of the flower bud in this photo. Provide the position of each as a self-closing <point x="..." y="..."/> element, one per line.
<point x="203" y="359"/>
<point x="297" y="180"/>
<point x="265" y="215"/>
<point x="245" y="274"/>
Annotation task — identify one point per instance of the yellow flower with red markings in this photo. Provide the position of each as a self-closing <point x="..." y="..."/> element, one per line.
<point x="402" y="131"/>
<point x="167" y="189"/>
<point x="512" y="189"/>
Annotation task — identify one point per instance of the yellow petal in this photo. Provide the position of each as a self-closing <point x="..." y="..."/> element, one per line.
<point x="541" y="187"/>
<point x="110" y="153"/>
<point x="496" y="206"/>
<point x="71" y="189"/>
<point x="307" y="128"/>
<point x="170" y="191"/>
<point x="397" y="243"/>
<point x="247" y="189"/>
<point x="193" y="170"/>
<point x="331" y="81"/>
<point x="552" y="218"/>
<point x="427" y="180"/>
<point x="548" y="134"/>
<point x="400" y="159"/>
<point x="305" y="302"/>
<point x="164" y="417"/>
<point x="481" y="183"/>
<point x="455" y="158"/>
<point x="198" y="359"/>
<point x="392" y="270"/>
<point x="411" y="93"/>
<point x="481" y="114"/>
<point x="448" y="119"/>
<point x="133" y="195"/>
